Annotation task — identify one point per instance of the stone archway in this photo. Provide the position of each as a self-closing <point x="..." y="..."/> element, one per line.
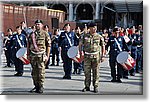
<point x="84" y="11"/>
<point x="61" y="7"/>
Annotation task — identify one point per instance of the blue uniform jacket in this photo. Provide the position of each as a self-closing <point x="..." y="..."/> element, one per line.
<point x="15" y="44"/>
<point x="136" y="41"/>
<point x="114" y="50"/>
<point x="63" y="41"/>
<point x="8" y="43"/>
<point x="55" y="42"/>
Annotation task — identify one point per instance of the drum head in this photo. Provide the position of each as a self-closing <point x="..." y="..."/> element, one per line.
<point x="72" y="52"/>
<point x="21" y="52"/>
<point x="122" y="57"/>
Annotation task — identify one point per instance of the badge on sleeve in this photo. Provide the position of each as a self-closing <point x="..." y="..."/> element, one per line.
<point x="119" y="39"/>
<point x="21" y="38"/>
<point x="134" y="37"/>
<point x="69" y="35"/>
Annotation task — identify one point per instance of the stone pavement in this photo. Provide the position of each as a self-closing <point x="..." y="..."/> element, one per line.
<point x="55" y="85"/>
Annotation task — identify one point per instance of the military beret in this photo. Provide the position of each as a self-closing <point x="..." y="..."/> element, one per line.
<point x="38" y="21"/>
<point x="92" y="24"/>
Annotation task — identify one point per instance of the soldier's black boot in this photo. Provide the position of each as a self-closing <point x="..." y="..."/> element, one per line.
<point x="86" y="89"/>
<point x="40" y="89"/>
<point x="95" y="89"/>
<point x="34" y="89"/>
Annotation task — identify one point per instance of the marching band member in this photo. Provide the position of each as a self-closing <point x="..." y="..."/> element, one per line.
<point x="66" y="40"/>
<point x="18" y="41"/>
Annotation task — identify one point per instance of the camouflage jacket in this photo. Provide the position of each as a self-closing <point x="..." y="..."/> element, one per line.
<point x="92" y="43"/>
<point x="42" y="40"/>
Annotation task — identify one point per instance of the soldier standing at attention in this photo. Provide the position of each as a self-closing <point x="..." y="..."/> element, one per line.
<point x="38" y="53"/>
<point x="94" y="48"/>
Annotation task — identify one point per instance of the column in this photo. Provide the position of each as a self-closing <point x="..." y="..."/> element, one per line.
<point x="97" y="10"/>
<point x="70" y="12"/>
<point x="45" y="4"/>
<point x="125" y="20"/>
<point x="101" y="13"/>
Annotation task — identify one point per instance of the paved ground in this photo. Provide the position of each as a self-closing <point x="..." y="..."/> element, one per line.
<point x="54" y="84"/>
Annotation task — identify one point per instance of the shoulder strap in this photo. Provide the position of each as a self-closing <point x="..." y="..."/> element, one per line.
<point x="68" y="39"/>
<point x="118" y="44"/>
<point x="18" y="40"/>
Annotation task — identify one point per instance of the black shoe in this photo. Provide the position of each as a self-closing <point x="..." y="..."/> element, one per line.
<point x="125" y="77"/>
<point x="132" y="74"/>
<point x="5" y="66"/>
<point x="118" y="81"/>
<point x="86" y="89"/>
<point x="52" y="64"/>
<point x="64" y="77"/>
<point x="113" y="80"/>
<point x="33" y="90"/>
<point x="40" y="90"/>
<point x="46" y="67"/>
<point x="18" y="74"/>
<point x="57" y="64"/>
<point x="69" y="77"/>
<point x="95" y="90"/>
<point x="9" y="66"/>
<point x="74" y="72"/>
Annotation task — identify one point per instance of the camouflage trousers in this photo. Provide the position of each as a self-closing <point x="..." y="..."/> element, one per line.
<point x="91" y="64"/>
<point x="38" y="70"/>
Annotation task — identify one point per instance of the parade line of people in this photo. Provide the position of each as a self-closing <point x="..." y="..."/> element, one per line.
<point x="42" y="44"/>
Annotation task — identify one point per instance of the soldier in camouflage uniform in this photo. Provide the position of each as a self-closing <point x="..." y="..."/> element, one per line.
<point x="38" y="50"/>
<point x="93" y="47"/>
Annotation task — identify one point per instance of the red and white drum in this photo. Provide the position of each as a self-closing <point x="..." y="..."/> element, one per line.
<point x="74" y="54"/>
<point x="125" y="60"/>
<point x="22" y="55"/>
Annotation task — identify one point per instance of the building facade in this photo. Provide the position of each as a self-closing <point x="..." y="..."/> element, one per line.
<point x="106" y="14"/>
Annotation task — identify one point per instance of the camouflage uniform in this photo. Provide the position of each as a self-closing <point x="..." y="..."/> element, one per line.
<point x="37" y="59"/>
<point x="92" y="50"/>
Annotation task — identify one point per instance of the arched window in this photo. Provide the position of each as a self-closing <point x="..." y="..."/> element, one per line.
<point x="84" y="12"/>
